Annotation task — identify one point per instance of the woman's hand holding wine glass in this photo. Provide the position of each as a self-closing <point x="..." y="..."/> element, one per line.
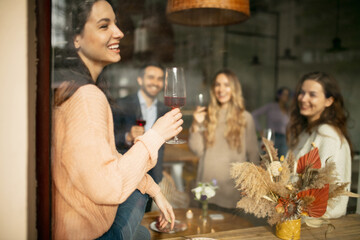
<point x="175" y="93"/>
<point x="201" y="99"/>
<point x="169" y="125"/>
<point x="200" y="112"/>
<point x="199" y="116"/>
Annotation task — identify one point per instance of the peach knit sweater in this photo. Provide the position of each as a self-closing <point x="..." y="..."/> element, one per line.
<point x="90" y="178"/>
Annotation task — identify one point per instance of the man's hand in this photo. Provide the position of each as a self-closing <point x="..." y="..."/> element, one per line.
<point x="135" y="132"/>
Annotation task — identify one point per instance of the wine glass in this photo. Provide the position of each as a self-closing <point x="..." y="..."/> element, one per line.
<point x="201" y="100"/>
<point x="175" y="93"/>
<point x="269" y="134"/>
<point x="140" y="122"/>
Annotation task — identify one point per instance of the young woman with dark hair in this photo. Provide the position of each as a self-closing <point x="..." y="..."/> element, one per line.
<point x="97" y="192"/>
<point x="318" y="116"/>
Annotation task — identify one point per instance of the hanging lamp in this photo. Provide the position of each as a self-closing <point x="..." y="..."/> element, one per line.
<point x="207" y="12"/>
<point x="288" y="55"/>
<point x="255" y="61"/>
<point x="290" y="13"/>
<point x="336" y="42"/>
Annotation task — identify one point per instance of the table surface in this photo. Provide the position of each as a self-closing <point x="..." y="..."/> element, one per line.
<point x="179" y="153"/>
<point x="345" y="228"/>
<point x="230" y="222"/>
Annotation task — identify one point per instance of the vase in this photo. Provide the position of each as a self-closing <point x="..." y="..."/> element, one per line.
<point x="204" y="223"/>
<point x="289" y="229"/>
<point x="204" y="208"/>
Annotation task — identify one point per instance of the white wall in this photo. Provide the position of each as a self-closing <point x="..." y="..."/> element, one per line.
<point x="17" y="122"/>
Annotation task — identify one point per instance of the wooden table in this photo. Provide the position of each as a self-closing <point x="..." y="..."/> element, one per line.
<point x="230" y="222"/>
<point x="346" y="228"/>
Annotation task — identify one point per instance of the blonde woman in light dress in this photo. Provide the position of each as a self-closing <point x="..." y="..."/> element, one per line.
<point x="221" y="134"/>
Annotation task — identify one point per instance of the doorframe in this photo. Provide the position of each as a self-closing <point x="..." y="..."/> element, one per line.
<point x="43" y="119"/>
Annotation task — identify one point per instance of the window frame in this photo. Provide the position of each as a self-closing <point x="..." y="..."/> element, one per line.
<point x="43" y="119"/>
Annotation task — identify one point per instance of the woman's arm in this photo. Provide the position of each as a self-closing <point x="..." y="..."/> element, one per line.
<point x="196" y="136"/>
<point x="335" y="148"/>
<point x="91" y="163"/>
<point x="252" y="150"/>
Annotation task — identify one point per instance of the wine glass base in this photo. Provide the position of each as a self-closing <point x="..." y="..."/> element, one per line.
<point x="178" y="141"/>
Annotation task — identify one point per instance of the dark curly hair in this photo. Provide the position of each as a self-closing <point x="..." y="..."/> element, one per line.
<point x="335" y="115"/>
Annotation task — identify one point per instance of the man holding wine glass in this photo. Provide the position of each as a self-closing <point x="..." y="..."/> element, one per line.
<point x="136" y="113"/>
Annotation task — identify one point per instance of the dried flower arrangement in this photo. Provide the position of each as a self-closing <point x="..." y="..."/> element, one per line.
<point x="280" y="191"/>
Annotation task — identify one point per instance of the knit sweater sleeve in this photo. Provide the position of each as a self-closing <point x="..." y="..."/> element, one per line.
<point x="93" y="166"/>
<point x="333" y="148"/>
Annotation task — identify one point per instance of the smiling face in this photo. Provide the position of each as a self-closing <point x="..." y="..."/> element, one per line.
<point x="312" y="100"/>
<point x="222" y="89"/>
<point x="152" y="82"/>
<point x="98" y="44"/>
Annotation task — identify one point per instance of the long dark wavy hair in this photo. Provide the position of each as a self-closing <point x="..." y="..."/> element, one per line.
<point x="70" y="71"/>
<point x="335" y="115"/>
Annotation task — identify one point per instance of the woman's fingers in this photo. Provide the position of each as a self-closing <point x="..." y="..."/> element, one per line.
<point x="164" y="223"/>
<point x="167" y="213"/>
<point x="200" y="109"/>
<point x="199" y="116"/>
<point x="169" y="217"/>
<point x="177" y="116"/>
<point x="172" y="217"/>
<point x="179" y="129"/>
<point x="169" y="125"/>
<point x="174" y="111"/>
<point x="178" y="123"/>
<point x="163" y="220"/>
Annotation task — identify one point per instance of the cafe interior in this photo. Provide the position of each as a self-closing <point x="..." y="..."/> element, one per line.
<point x="268" y="44"/>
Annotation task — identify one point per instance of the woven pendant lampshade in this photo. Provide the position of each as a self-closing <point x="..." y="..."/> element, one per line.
<point x="207" y="12"/>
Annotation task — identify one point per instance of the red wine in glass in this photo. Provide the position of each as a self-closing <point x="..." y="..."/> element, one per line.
<point x="175" y="93"/>
<point x="140" y="122"/>
<point x="175" y="102"/>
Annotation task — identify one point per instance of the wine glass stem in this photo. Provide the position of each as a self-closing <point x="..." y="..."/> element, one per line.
<point x="176" y="138"/>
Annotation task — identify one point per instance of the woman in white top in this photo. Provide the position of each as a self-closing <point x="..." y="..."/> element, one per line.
<point x="318" y="116"/>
